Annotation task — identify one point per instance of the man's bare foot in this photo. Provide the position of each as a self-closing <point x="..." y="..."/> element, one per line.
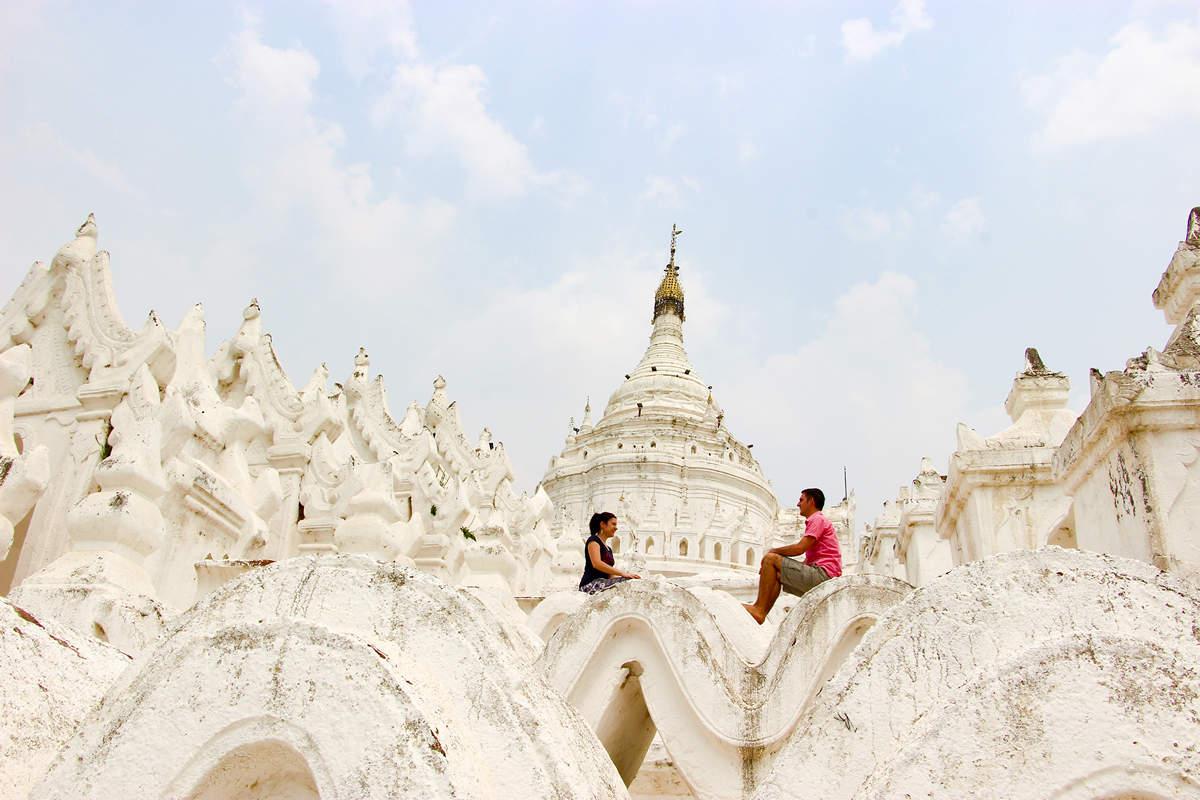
<point x="753" y="611"/>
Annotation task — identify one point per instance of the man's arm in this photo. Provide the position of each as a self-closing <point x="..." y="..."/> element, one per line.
<point x="794" y="549"/>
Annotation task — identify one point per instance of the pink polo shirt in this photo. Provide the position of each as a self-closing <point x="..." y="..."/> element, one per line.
<point x="825" y="551"/>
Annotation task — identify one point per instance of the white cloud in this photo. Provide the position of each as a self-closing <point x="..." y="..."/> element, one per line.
<point x="863" y="42"/>
<point x="296" y="164"/>
<point x="866" y="391"/>
<point x="671" y="135"/>
<point x="964" y="220"/>
<point x="442" y="110"/>
<point x="665" y="192"/>
<point x="921" y="214"/>
<point x="726" y="84"/>
<point x="867" y="223"/>
<point x="42" y="135"/>
<point x="747" y="151"/>
<point x="557" y="343"/>
<point x="1140" y="84"/>
<point x="373" y="31"/>
<point x="277" y="81"/>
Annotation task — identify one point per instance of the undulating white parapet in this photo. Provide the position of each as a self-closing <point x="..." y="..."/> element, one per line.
<point x="52" y="679"/>
<point x="1033" y="674"/>
<point x="1132" y="461"/>
<point x="1001" y="492"/>
<point x="334" y="677"/>
<point x="647" y="656"/>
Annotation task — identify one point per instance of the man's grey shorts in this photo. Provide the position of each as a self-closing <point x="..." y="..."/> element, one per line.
<point x="798" y="577"/>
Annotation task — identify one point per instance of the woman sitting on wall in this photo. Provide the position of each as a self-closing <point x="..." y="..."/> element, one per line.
<point x="598" y="570"/>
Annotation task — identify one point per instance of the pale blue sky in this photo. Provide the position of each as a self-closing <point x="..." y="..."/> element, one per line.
<point x="883" y="204"/>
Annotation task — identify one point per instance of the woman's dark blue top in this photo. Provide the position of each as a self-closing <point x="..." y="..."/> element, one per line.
<point x="590" y="573"/>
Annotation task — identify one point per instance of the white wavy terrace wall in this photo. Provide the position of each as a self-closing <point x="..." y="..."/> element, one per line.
<point x="719" y="713"/>
<point x="1044" y="674"/>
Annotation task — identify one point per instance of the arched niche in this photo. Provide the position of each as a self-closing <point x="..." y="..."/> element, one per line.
<point x="262" y="770"/>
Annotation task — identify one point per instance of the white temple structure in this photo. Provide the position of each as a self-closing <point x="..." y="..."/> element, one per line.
<point x="689" y="495"/>
<point x="165" y="472"/>
<point x="221" y="588"/>
<point x="1120" y="478"/>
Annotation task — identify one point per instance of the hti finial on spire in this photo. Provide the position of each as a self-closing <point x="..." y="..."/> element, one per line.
<point x="670" y="294"/>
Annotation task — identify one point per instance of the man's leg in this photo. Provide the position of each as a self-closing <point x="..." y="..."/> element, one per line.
<point x="768" y="588"/>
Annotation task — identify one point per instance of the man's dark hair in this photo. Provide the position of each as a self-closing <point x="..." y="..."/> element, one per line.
<point x="601" y="517"/>
<point x="817" y="496"/>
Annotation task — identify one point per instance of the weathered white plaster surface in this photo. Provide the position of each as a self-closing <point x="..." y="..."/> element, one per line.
<point x="1044" y="674"/>
<point x="52" y="677"/>
<point x="338" y="677"/>
<point x="647" y="656"/>
<point x="97" y="594"/>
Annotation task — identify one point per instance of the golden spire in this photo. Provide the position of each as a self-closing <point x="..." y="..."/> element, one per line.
<point x="670" y="294"/>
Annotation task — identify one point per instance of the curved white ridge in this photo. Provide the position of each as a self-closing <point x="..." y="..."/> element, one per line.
<point x="1035" y="674"/>
<point x="338" y="677"/>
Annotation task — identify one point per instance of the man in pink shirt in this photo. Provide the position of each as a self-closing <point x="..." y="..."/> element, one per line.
<point x="822" y="559"/>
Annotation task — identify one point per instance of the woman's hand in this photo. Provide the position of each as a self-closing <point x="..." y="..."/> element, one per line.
<point x="630" y="575"/>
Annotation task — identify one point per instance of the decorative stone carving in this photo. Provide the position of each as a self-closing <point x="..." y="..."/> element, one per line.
<point x="372" y="524"/>
<point x="23" y="476"/>
<point x="924" y="553"/>
<point x="1001" y="493"/>
<point x="123" y="516"/>
<point x="233" y="465"/>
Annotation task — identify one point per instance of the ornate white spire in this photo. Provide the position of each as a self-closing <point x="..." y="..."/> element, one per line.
<point x="586" y="425"/>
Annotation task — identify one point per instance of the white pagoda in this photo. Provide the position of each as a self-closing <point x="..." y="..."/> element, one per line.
<point x="689" y="496"/>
